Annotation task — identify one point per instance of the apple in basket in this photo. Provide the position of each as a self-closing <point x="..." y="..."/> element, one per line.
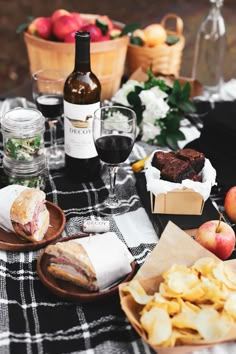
<point x="41" y="26"/>
<point x="95" y="32"/>
<point x="64" y="25"/>
<point x="58" y="13"/>
<point x="230" y="204"/>
<point x="80" y="20"/>
<point x="216" y="236"/>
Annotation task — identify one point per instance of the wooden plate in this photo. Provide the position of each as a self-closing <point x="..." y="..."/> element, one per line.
<point x="67" y="290"/>
<point x="11" y="242"/>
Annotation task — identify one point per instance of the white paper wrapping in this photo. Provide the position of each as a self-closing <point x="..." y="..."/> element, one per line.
<point x="158" y="186"/>
<point x="109" y="256"/>
<point x="7" y="196"/>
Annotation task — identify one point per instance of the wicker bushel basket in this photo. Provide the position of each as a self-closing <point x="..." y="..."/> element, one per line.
<point x="107" y="58"/>
<point x="164" y="58"/>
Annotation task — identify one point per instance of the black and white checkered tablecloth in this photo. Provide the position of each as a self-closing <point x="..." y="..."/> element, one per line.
<point x="33" y="320"/>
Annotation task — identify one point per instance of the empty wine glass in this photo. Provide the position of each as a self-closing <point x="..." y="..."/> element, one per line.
<point x="47" y="88"/>
<point x="114" y="133"/>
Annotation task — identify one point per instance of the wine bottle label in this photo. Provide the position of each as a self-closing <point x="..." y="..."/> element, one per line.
<point x="78" y="130"/>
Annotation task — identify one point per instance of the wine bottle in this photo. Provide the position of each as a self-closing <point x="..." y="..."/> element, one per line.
<point x="82" y="95"/>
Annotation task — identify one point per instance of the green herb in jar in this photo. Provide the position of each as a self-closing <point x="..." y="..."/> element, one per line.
<point x="31" y="182"/>
<point x="24" y="148"/>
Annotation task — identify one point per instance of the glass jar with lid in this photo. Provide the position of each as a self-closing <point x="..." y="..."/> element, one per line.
<point x="23" y="138"/>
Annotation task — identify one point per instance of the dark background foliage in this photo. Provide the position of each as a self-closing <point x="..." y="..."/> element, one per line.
<point x="13" y="57"/>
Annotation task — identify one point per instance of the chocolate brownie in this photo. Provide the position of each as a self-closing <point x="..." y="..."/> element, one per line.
<point x="196" y="178"/>
<point x="177" y="170"/>
<point x="161" y="158"/>
<point x="195" y="158"/>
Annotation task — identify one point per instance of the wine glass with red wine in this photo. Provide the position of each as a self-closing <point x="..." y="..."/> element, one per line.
<point x="114" y="133"/>
<point x="47" y="88"/>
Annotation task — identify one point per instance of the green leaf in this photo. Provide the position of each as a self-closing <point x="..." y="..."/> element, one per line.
<point x="22" y="28"/>
<point x="172" y="141"/>
<point x="130" y="28"/>
<point x="170" y="40"/>
<point x="138" y="89"/>
<point x="176" y="88"/>
<point x="161" y="140"/>
<point x="134" y="99"/>
<point x="102" y="25"/>
<point x="187" y="107"/>
<point x="152" y="82"/>
<point x="136" y="41"/>
<point x="11" y="148"/>
<point x="186" y="91"/>
<point x="172" y="125"/>
<point x="139" y="115"/>
<point x="180" y="135"/>
<point x="172" y="100"/>
<point x="30" y="18"/>
<point x="36" y="142"/>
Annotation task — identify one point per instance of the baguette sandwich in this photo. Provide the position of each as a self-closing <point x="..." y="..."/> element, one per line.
<point x="88" y="262"/>
<point x="69" y="261"/>
<point x="29" y="215"/>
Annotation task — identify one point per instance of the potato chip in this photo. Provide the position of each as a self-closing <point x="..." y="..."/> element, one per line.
<point x="182" y="336"/>
<point x="225" y="275"/>
<point x="204" y="265"/>
<point x="212" y="325"/>
<point x="138" y="292"/>
<point x="194" y="304"/>
<point x="186" y="317"/>
<point x="230" y="306"/>
<point x="170" y="306"/>
<point x="196" y="293"/>
<point x="166" y="292"/>
<point x="157" y="324"/>
<point x="205" y="291"/>
<point x="180" y="279"/>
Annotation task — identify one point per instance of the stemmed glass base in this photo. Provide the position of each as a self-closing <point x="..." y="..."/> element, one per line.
<point x="55" y="154"/>
<point x="112" y="205"/>
<point x="55" y="157"/>
<point x="113" y="208"/>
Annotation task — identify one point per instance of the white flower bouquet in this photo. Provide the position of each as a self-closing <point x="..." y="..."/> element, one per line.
<point x="159" y="108"/>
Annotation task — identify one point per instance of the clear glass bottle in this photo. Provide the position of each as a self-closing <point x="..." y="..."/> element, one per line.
<point x="210" y="51"/>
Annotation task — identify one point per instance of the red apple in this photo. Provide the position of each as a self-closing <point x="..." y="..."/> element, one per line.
<point x="64" y="25"/>
<point x="58" y="13"/>
<point x="216" y="236"/>
<point x="80" y="20"/>
<point x="105" y="37"/>
<point x="41" y="27"/>
<point x="70" y="37"/>
<point x="230" y="204"/>
<point x="95" y="32"/>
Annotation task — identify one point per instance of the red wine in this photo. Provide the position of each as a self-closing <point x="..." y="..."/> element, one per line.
<point x="51" y="106"/>
<point x="82" y="91"/>
<point x="114" y="149"/>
